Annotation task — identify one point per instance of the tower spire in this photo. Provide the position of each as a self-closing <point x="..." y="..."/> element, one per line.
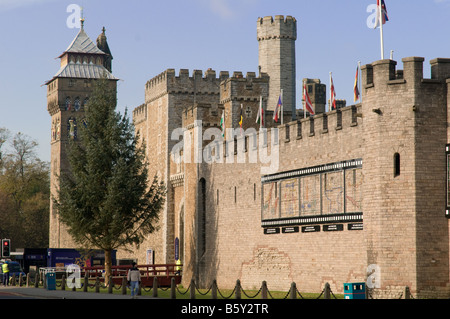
<point x="82" y="18"/>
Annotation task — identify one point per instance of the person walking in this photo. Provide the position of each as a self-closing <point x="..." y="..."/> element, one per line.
<point x="134" y="279"/>
<point x="5" y="270"/>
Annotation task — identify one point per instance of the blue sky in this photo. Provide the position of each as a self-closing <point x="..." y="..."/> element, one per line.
<point x="148" y="37"/>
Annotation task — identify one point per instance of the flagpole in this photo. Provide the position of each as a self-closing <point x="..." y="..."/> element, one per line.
<point x="260" y="112"/>
<point x="331" y="94"/>
<point x="359" y="81"/>
<point x="304" y="99"/>
<point x="380" y="8"/>
<point x="241" y="120"/>
<point x="281" y="109"/>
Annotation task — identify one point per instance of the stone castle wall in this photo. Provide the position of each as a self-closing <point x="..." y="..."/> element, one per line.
<point x="318" y="199"/>
<point x="402" y="114"/>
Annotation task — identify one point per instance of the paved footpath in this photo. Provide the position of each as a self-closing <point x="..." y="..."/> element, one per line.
<point x="41" y="293"/>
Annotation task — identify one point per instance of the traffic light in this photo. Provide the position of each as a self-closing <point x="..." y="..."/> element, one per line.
<point x="6" y="248"/>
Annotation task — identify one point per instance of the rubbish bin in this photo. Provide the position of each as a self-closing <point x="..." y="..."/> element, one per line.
<point x="50" y="280"/>
<point x="355" y="290"/>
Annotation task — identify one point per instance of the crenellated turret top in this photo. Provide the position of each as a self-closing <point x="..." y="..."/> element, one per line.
<point x="278" y="27"/>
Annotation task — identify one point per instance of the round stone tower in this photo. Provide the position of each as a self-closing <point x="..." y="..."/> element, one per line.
<point x="276" y="38"/>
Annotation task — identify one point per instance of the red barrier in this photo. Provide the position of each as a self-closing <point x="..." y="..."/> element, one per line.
<point x="164" y="273"/>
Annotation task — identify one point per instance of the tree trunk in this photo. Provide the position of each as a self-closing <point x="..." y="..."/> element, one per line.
<point x="108" y="265"/>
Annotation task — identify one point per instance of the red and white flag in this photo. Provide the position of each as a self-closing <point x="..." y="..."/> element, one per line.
<point x="260" y="116"/>
<point x="308" y="104"/>
<point x="277" y="110"/>
<point x="332" y="94"/>
<point x="381" y="15"/>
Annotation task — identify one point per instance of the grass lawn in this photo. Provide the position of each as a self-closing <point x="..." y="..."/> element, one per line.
<point x="184" y="293"/>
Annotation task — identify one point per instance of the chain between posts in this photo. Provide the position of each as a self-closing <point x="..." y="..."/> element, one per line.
<point x="265" y="293"/>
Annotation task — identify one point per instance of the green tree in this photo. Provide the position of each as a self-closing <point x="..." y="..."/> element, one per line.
<point x="105" y="199"/>
<point x="24" y="192"/>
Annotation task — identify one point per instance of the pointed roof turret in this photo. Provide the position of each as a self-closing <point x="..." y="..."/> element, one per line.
<point x="82" y="44"/>
<point x="102" y="44"/>
<point x="83" y="59"/>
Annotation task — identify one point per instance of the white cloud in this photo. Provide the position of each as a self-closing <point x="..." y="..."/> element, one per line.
<point x="227" y="9"/>
<point x="222" y="8"/>
<point x="14" y="4"/>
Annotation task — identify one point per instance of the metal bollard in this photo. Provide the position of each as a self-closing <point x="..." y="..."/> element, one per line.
<point x="407" y="293"/>
<point x="36" y="280"/>
<point x="264" y="290"/>
<point x="155" y="287"/>
<point x="293" y="291"/>
<point x="192" y="291"/>
<point x="173" y="293"/>
<point x="86" y="283"/>
<point x="214" y="290"/>
<point x="124" y="285"/>
<point x="327" y="291"/>
<point x="238" y="289"/>
<point x="97" y="284"/>
<point x="110" y="285"/>
<point x="63" y="282"/>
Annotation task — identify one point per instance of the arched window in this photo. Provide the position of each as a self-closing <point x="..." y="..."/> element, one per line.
<point x="68" y="104"/>
<point x="396" y="164"/>
<point x="202" y="217"/>
<point x="77" y="104"/>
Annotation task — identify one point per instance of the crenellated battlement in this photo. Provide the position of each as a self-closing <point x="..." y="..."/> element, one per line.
<point x="276" y="57"/>
<point x="276" y="27"/>
<point x="248" y="88"/>
<point x="338" y="124"/>
<point x="184" y="83"/>
<point x="208" y="113"/>
<point x="140" y="114"/>
<point x="384" y="73"/>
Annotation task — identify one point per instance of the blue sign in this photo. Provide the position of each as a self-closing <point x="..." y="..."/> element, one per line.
<point x="177" y="248"/>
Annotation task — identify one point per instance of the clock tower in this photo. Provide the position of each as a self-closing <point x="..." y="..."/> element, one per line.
<point x="68" y="92"/>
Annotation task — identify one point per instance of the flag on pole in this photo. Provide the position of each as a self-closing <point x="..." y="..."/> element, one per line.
<point x="277" y="110"/>
<point x="308" y="104"/>
<point x="381" y="19"/>
<point x="355" y="86"/>
<point x="222" y="123"/>
<point x="381" y="15"/>
<point x="241" y="118"/>
<point x="332" y="94"/>
<point x="260" y="116"/>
